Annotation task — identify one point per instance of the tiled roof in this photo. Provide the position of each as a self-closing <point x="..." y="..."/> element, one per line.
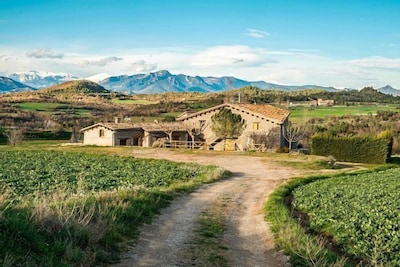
<point x="278" y="115"/>
<point x="267" y="111"/>
<point x="147" y="126"/>
<point x="162" y="126"/>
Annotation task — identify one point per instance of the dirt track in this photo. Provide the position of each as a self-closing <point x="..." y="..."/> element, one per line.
<point x="248" y="239"/>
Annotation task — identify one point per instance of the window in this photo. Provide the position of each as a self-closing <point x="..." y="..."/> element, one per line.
<point x="256" y="125"/>
<point x="101" y="133"/>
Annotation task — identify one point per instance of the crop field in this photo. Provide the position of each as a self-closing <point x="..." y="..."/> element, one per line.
<point x="361" y="212"/>
<point x="297" y="113"/>
<point x="79" y="209"/>
<point x="30" y="172"/>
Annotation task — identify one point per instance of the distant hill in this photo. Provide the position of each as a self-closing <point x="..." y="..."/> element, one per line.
<point x="8" y="85"/>
<point x="42" y="79"/>
<point x="389" y="90"/>
<point x="72" y="87"/>
<point x="163" y="81"/>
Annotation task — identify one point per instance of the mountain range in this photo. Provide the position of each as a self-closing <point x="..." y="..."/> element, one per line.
<point x="8" y="85"/>
<point x="151" y="83"/>
<point x="163" y="81"/>
<point x="41" y="79"/>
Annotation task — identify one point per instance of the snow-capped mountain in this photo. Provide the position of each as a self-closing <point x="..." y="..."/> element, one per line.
<point x="41" y="79"/>
<point x="8" y="85"/>
<point x="98" y="77"/>
<point x="163" y="81"/>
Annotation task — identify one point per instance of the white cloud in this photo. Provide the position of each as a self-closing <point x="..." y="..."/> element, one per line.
<point x="102" y="61"/>
<point x="231" y="56"/>
<point x="256" y="33"/>
<point x="143" y="66"/>
<point x="44" y="53"/>
<point x="5" y="58"/>
<point x="293" y="66"/>
<point x="392" y="64"/>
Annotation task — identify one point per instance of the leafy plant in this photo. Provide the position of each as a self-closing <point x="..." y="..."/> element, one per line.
<point x="360" y="212"/>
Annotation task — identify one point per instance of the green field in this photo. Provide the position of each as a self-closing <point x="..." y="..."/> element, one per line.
<point x="298" y="113"/>
<point x="133" y="101"/>
<point x="51" y="108"/>
<point x="28" y="173"/>
<point x="360" y="212"/>
<point x="80" y="209"/>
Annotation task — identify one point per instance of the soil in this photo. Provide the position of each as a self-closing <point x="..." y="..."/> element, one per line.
<point x="248" y="239"/>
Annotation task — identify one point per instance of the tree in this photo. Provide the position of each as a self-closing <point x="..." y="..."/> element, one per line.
<point x="195" y="130"/>
<point x="14" y="135"/>
<point x="293" y="133"/>
<point x="226" y="124"/>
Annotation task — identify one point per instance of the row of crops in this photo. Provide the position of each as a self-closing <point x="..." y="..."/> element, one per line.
<point x="28" y="173"/>
<point x="361" y="213"/>
<point x="77" y="209"/>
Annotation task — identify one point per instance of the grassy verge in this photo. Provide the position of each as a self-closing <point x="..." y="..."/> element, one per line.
<point x="303" y="248"/>
<point x="76" y="227"/>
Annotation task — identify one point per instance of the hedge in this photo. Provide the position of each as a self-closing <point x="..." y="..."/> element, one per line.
<point x="363" y="149"/>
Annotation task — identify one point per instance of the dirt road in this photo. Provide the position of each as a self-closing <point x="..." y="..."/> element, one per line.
<point x="248" y="239"/>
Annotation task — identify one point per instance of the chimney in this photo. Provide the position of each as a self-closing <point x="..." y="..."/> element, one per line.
<point x="117" y="119"/>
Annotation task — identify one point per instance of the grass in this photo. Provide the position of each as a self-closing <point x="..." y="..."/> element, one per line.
<point x="52" y="108"/>
<point x="297" y="113"/>
<point x="41" y="106"/>
<point x="132" y="101"/>
<point x="207" y="248"/>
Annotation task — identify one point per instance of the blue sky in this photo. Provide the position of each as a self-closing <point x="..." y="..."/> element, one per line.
<point x="333" y="43"/>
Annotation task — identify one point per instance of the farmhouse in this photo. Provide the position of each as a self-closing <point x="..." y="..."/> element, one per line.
<point x="133" y="134"/>
<point x="263" y="129"/>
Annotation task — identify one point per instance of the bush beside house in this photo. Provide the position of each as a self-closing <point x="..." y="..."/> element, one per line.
<point x="363" y="149"/>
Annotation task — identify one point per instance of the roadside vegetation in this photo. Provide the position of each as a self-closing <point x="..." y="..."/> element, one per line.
<point x="339" y="219"/>
<point x="79" y="209"/>
<point x="207" y="247"/>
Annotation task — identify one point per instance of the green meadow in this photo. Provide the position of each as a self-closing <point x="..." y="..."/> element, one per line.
<point x="51" y="108"/>
<point x="298" y="113"/>
<point x="132" y="101"/>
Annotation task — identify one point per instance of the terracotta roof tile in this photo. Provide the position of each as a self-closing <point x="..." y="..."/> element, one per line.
<point x="278" y="115"/>
<point x="267" y="111"/>
<point x="147" y="126"/>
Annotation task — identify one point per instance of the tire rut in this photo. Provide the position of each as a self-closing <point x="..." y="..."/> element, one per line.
<point x="247" y="238"/>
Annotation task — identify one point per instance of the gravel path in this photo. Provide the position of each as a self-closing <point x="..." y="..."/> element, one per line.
<point x="248" y="239"/>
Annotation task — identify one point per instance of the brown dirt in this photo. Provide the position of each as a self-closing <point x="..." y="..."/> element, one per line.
<point x="248" y="239"/>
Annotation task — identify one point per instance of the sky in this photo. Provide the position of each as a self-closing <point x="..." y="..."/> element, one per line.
<point x="346" y="44"/>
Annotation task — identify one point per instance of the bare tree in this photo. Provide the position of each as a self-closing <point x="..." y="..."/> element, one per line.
<point x="293" y="133"/>
<point x="14" y="135"/>
<point x="194" y="130"/>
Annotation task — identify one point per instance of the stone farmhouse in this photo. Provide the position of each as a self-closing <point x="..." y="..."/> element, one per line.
<point x="263" y="129"/>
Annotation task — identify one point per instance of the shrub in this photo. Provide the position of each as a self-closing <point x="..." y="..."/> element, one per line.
<point x="363" y="149"/>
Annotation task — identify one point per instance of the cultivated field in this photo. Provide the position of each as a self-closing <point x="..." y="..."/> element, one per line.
<point x="360" y="212"/>
<point x="80" y="209"/>
<point x="83" y="205"/>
